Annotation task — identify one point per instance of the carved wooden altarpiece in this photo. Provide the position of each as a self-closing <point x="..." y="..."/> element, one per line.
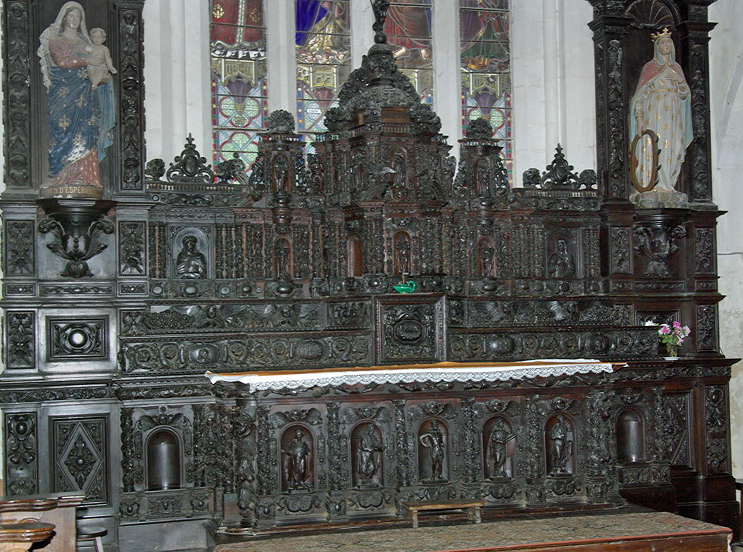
<point x="182" y="269"/>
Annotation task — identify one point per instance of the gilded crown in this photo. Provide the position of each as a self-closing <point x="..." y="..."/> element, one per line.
<point x="663" y="34"/>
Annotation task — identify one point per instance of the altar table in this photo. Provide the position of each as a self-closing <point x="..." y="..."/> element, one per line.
<point x="447" y="372"/>
<point x="619" y="532"/>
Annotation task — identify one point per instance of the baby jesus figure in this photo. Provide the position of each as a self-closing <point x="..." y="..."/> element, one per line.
<point x="99" y="58"/>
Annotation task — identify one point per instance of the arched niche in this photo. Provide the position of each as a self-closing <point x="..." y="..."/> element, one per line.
<point x="163" y="460"/>
<point x="499" y="448"/>
<point x="630" y="437"/>
<point x="281" y="174"/>
<point x="399" y="164"/>
<point x="433" y="451"/>
<point x="297" y="459"/>
<point x="403" y="247"/>
<point x="354" y="253"/>
<point x="191" y="254"/>
<point x="560" y="445"/>
<point x="486" y="258"/>
<point x="563" y="260"/>
<point x="282" y="258"/>
<point x="367" y="456"/>
<point x="483" y="176"/>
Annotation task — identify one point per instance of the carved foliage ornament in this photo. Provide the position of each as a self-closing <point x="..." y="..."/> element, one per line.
<point x="77" y="230"/>
<point x="21" y="454"/>
<point x="131" y="248"/>
<point x="188" y="167"/>
<point x="21" y="338"/>
<point x="18" y="94"/>
<point x="19" y="236"/>
<point x="130" y="65"/>
<point x="658" y="244"/>
<point x="560" y="176"/>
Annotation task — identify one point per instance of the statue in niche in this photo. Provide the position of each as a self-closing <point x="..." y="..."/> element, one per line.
<point x="434" y="441"/>
<point x="281" y="175"/>
<point x="399" y="173"/>
<point x="402" y="253"/>
<point x="561" y="446"/>
<point x="662" y="104"/>
<point x="561" y="263"/>
<point x="498" y="448"/>
<point x="487" y="258"/>
<point x="368" y="455"/>
<point x="296" y="461"/>
<point x="281" y="252"/>
<point x="190" y="262"/>
<point x="482" y="178"/>
<point x="81" y="116"/>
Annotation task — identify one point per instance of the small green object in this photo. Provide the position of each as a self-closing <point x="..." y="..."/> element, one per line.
<point x="405" y="287"/>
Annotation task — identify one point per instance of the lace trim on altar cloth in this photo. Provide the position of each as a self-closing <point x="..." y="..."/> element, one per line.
<point x="435" y="373"/>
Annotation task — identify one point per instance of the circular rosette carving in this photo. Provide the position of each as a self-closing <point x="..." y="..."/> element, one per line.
<point x="237" y="352"/>
<point x="143" y="356"/>
<point x="280" y="349"/>
<point x="78" y="338"/>
<point x="169" y="354"/>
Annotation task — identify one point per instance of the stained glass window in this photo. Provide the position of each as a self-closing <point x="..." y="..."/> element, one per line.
<point x="408" y="28"/>
<point x="238" y="64"/>
<point x="485" y="63"/>
<point x="323" y="48"/>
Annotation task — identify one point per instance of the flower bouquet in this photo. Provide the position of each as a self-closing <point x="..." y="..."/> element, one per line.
<point x="672" y="336"/>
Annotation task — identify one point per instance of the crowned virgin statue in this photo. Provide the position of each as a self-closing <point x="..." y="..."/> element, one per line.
<point x="81" y="116"/>
<point x="661" y="105"/>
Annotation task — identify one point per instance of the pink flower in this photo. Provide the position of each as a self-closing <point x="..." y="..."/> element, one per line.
<point x="676" y="325"/>
<point x="664" y="329"/>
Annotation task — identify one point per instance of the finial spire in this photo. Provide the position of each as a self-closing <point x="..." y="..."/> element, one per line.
<point x="380" y="14"/>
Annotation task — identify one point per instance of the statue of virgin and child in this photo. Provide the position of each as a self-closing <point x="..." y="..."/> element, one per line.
<point x="660" y="107"/>
<point x="76" y="72"/>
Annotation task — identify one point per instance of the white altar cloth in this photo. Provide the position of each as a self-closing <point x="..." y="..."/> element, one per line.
<point x="448" y="372"/>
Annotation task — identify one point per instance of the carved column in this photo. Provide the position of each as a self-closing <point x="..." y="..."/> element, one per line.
<point x="694" y="58"/>
<point x="609" y="27"/>
<point x="17" y="96"/>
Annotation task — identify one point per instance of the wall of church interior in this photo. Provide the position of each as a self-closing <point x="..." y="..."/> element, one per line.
<point x="726" y="68"/>
<point x="553" y="82"/>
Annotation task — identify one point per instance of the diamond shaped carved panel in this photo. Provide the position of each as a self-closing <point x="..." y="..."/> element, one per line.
<point x="79" y="449"/>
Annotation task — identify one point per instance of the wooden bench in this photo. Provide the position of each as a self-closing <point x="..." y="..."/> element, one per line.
<point x="472" y="507"/>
